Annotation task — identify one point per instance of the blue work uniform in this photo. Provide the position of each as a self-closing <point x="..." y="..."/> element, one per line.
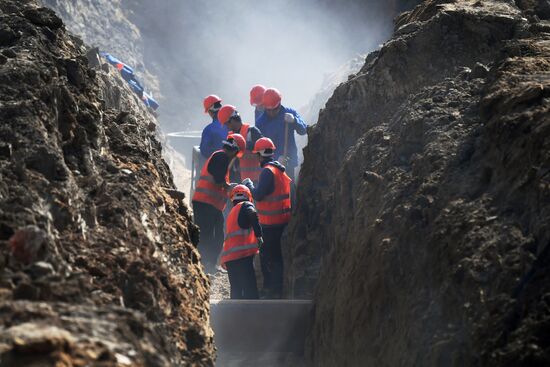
<point x="212" y="137"/>
<point x="274" y="128"/>
<point x="258" y="112"/>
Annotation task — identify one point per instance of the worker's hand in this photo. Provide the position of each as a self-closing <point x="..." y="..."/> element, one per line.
<point x="289" y="118"/>
<point x="248" y="183"/>
<point x="231" y="186"/>
<point x="260" y="242"/>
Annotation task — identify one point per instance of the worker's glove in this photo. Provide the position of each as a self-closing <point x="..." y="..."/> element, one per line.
<point x="289" y="118"/>
<point x="231" y="186"/>
<point x="260" y="242"/>
<point x="283" y="160"/>
<point x="247" y="182"/>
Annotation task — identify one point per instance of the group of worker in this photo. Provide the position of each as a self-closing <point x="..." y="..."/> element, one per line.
<point x="253" y="168"/>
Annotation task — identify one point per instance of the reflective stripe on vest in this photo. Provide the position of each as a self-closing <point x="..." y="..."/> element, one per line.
<point x="241" y="232"/>
<point x="275" y="208"/>
<point x="207" y="191"/>
<point x="274" y="198"/>
<point x="239" y="248"/>
<point x="274" y="212"/>
<point x="239" y="242"/>
<point x="249" y="163"/>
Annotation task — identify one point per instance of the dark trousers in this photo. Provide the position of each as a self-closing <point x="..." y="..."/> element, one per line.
<point x="271" y="260"/>
<point x="210" y="221"/>
<point x="242" y="278"/>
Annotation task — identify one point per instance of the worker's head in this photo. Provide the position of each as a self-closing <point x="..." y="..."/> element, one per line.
<point x="212" y="105"/>
<point x="234" y="145"/>
<point x="256" y="95"/>
<point x="229" y="116"/>
<point x="271" y="101"/>
<point x="264" y="148"/>
<point x="240" y="193"/>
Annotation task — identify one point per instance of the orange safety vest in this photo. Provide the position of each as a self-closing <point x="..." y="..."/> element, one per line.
<point x="249" y="163"/>
<point x="275" y="208"/>
<point x="207" y="191"/>
<point x="238" y="242"/>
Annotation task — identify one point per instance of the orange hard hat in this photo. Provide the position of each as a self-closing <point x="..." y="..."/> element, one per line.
<point x="240" y="192"/>
<point x="262" y="145"/>
<point x="271" y="99"/>
<point x="209" y="101"/>
<point x="226" y="112"/>
<point x="257" y="94"/>
<point x="237" y="140"/>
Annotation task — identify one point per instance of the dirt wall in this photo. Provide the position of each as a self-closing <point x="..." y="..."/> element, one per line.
<point x="98" y="265"/>
<point x="420" y="228"/>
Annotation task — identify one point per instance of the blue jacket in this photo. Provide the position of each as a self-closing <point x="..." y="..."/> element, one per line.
<point x="257" y="114"/>
<point x="212" y="137"/>
<point x="274" y="128"/>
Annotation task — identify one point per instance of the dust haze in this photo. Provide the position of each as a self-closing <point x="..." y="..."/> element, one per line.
<point x="224" y="48"/>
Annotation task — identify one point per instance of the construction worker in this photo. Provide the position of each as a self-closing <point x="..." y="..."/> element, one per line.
<point x="279" y="124"/>
<point x="272" y="196"/>
<point x="210" y="198"/>
<point x="248" y="164"/>
<point x="213" y="133"/>
<point x="243" y="237"/>
<point x="256" y="100"/>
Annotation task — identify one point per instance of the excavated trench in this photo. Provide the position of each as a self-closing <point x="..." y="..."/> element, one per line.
<point x="420" y="232"/>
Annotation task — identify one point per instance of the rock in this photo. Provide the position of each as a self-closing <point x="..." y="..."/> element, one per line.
<point x="9" y="53"/>
<point x="43" y="17"/>
<point x="93" y="57"/>
<point x="407" y="28"/>
<point x="5" y="150"/>
<point x="41" y="269"/>
<point x="28" y="243"/>
<point x="543" y="9"/>
<point x="175" y="194"/>
<point x="479" y="71"/>
<point x="7" y="36"/>
<point x="75" y="73"/>
<point x="372" y="177"/>
<point x="35" y="338"/>
<point x="48" y="164"/>
<point x="152" y="126"/>
<point x="26" y="291"/>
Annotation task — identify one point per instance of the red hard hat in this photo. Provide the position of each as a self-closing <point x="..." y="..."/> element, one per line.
<point x="209" y="101"/>
<point x="257" y="94"/>
<point x="271" y="98"/>
<point x="240" y="192"/>
<point x="262" y="144"/>
<point x="240" y="141"/>
<point x="226" y="112"/>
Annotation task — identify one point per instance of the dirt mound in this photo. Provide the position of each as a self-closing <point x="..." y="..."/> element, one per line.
<point x="425" y="197"/>
<point x="98" y="265"/>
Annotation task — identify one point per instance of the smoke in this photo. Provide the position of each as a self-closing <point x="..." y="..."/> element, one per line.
<point x="225" y="47"/>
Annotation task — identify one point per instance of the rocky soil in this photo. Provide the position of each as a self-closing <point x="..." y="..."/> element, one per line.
<point x="421" y="227"/>
<point x="98" y="265"/>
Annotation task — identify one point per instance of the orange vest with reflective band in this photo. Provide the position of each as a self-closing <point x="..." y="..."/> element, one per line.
<point x="275" y="208"/>
<point x="207" y="191"/>
<point x="249" y="163"/>
<point x="238" y="242"/>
